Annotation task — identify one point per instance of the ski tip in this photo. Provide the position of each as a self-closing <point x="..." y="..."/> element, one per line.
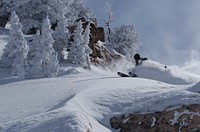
<point x="122" y="74"/>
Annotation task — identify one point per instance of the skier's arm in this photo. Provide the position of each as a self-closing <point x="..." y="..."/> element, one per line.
<point x="144" y="59"/>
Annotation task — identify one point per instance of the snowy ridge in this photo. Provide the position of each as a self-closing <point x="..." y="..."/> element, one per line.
<point x="84" y="101"/>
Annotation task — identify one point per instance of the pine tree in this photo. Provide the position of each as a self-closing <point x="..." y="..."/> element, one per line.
<point x="88" y="51"/>
<point x="10" y="49"/>
<point x="79" y="50"/>
<point x="76" y="50"/>
<point x="16" y="51"/>
<point x="49" y="56"/>
<point x="34" y="58"/>
<point x="44" y="62"/>
<point x="20" y="61"/>
<point x="61" y="36"/>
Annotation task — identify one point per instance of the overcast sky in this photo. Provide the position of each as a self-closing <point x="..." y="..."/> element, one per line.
<point x="169" y="29"/>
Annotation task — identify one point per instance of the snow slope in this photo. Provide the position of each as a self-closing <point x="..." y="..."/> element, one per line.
<point x="84" y="101"/>
<point x="79" y="100"/>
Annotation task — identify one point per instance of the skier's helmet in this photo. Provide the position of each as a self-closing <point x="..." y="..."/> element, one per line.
<point x="136" y="56"/>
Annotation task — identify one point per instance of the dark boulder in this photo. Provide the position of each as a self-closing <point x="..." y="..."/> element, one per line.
<point x="173" y="119"/>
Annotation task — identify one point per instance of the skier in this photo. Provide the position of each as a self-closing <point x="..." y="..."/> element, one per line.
<point x="139" y="60"/>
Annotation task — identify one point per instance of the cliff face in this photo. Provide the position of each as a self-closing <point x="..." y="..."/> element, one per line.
<point x="182" y="119"/>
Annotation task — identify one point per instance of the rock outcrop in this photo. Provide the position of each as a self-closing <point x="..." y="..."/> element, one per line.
<point x="100" y="54"/>
<point x="173" y="119"/>
<point x="3" y="20"/>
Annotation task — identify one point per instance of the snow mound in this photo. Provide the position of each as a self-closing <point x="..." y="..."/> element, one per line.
<point x="172" y="75"/>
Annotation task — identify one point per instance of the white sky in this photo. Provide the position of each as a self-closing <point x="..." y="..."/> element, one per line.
<point x="169" y="29"/>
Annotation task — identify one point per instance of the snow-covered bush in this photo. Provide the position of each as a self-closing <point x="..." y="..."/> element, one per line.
<point x="125" y="40"/>
<point x="79" y="50"/>
<point x="16" y="50"/>
<point x="43" y="60"/>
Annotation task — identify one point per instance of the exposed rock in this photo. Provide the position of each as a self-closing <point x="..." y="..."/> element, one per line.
<point x="100" y="54"/>
<point x="182" y="119"/>
<point x="3" y="20"/>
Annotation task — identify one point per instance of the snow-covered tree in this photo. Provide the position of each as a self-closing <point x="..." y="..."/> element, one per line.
<point x="88" y="51"/>
<point x="34" y="56"/>
<point x="44" y="62"/>
<point x="61" y="36"/>
<point x="79" y="50"/>
<point x="49" y="56"/>
<point x="16" y="51"/>
<point x="75" y="49"/>
<point x="125" y="40"/>
<point x="20" y="61"/>
<point x="108" y="22"/>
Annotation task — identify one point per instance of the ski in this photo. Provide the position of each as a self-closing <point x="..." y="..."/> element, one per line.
<point x="126" y="75"/>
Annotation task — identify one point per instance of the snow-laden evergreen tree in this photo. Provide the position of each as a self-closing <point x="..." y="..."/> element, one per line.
<point x="34" y="56"/>
<point x="16" y="51"/>
<point x="88" y="51"/>
<point x="78" y="49"/>
<point x="75" y="48"/>
<point x="125" y="40"/>
<point x="61" y="36"/>
<point x="49" y="56"/>
<point x="44" y="62"/>
<point x="20" y="61"/>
